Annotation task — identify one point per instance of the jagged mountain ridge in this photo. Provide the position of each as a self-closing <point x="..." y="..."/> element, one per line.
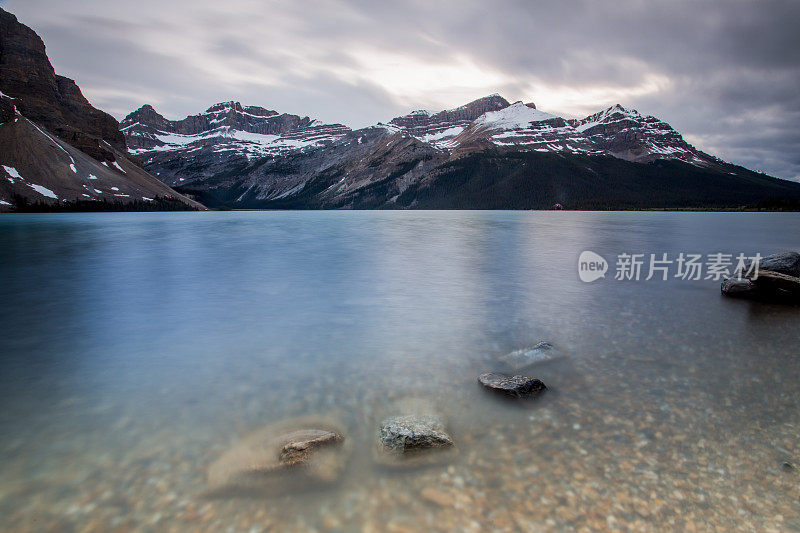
<point x="416" y="160"/>
<point x="522" y="127"/>
<point x="244" y="167"/>
<point x="488" y="121"/>
<point x="440" y="128"/>
<point x="627" y="134"/>
<point x="252" y="130"/>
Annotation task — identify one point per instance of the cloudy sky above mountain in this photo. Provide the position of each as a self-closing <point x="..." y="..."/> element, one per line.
<point x="726" y="73"/>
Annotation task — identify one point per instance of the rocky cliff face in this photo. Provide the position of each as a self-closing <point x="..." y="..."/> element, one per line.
<point x="57" y="152"/>
<point x="36" y="167"/>
<point x="50" y="100"/>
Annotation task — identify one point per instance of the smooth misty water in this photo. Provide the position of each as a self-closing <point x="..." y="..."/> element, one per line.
<point x="138" y="347"/>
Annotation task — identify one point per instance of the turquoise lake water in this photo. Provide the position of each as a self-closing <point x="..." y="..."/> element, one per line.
<point x="135" y="348"/>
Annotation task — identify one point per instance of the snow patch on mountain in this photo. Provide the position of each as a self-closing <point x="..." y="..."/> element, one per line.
<point x="391" y="128"/>
<point x="11" y="171"/>
<point x="612" y="114"/>
<point x="44" y="191"/>
<point x="442" y="135"/>
<point x="522" y="127"/>
<point x="515" y="116"/>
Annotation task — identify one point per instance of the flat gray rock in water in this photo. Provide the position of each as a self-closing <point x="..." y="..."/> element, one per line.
<point x="517" y="386"/>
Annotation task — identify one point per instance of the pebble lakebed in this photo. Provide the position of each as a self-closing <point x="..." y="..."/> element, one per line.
<point x="591" y="454"/>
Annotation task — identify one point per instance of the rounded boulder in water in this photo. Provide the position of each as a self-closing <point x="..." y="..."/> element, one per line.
<point x="413" y="440"/>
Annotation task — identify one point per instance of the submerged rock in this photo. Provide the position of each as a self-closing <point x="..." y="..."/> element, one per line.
<point x="288" y="454"/>
<point x="301" y="445"/>
<point x="412" y="440"/>
<point x="525" y="357"/>
<point x="438" y="496"/>
<point x="516" y="386"/>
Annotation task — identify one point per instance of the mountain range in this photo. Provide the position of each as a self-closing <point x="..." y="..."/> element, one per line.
<point x="487" y="154"/>
<point x="58" y="152"/>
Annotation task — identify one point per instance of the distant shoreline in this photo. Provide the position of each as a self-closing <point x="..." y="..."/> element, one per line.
<point x="147" y="208"/>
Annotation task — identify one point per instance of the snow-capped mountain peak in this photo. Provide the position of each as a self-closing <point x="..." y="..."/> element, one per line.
<point x="627" y="134"/>
<point x="515" y="116"/>
<point x="251" y="131"/>
<point x="440" y="128"/>
<point x="522" y="127"/>
<point x="606" y="116"/>
<point x="230" y="139"/>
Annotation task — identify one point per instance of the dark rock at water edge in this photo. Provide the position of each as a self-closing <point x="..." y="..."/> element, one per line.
<point x="779" y="286"/>
<point x="784" y="263"/>
<point x="777" y="280"/>
<point x="738" y="287"/>
<point x="515" y="386"/>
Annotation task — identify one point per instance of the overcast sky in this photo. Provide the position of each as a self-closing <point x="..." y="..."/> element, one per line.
<point x="726" y="74"/>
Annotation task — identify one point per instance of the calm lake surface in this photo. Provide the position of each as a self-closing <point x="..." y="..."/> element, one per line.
<point x="136" y="348"/>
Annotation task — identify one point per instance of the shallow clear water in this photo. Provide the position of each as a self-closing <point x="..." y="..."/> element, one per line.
<point x="136" y="348"/>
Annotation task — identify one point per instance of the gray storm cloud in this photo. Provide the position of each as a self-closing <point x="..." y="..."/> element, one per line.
<point x="725" y="73"/>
